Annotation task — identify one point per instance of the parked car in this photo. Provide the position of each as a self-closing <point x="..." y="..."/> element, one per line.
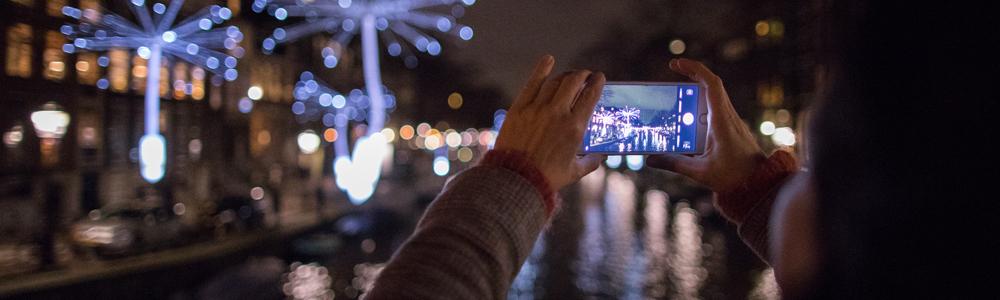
<point x="121" y="232"/>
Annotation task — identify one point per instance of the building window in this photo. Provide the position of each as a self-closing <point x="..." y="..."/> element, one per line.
<point x="91" y="10"/>
<point x="180" y="81"/>
<point x="54" y="59"/>
<point x="87" y="70"/>
<point x="54" y="7"/>
<point x="197" y="83"/>
<point x="118" y="70"/>
<point x="19" y="50"/>
<point x="139" y="72"/>
<point x="234" y="5"/>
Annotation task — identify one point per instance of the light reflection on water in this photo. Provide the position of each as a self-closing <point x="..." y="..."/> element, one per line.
<point x="658" y="256"/>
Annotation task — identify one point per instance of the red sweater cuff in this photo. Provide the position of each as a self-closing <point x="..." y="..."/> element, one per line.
<point x="736" y="204"/>
<point x="519" y="162"/>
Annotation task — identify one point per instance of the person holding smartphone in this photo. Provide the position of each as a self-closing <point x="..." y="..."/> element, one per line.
<point x="890" y="205"/>
<point x="476" y="235"/>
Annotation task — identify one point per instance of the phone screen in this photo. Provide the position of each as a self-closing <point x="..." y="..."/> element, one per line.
<point x="643" y="118"/>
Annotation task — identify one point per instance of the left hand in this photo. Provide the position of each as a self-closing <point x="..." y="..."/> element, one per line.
<point x="548" y="119"/>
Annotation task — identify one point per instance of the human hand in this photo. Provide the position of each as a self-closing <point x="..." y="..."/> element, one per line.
<point x="731" y="153"/>
<point x="548" y="119"/>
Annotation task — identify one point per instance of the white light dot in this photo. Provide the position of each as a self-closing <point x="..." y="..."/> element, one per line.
<point x="434" y="48"/>
<point x="205" y="24"/>
<point x="192" y="49"/>
<point x="159" y="8"/>
<point x="339" y="101"/>
<point x="465" y="33"/>
<point x="614" y="161"/>
<point x="257" y="193"/>
<point x="255" y="93"/>
<point x="443" y="24"/>
<point x="767" y="127"/>
<point x="169" y="36"/>
<point x="231" y="74"/>
<point x="441" y="166"/>
<point x="677" y="47"/>
<point x="308" y="142"/>
<point x="212" y="63"/>
<point x="330" y="62"/>
<point x="269" y="44"/>
<point x="783" y="136"/>
<point x="225" y="13"/>
<point x="344" y="3"/>
<point x="143" y="52"/>
<point x="688" y="119"/>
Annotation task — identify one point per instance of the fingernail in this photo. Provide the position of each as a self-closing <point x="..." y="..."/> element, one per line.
<point x="548" y="59"/>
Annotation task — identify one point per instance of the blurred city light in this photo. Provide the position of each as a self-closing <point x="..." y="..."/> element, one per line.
<point x="441" y="166"/>
<point x="783" y="136"/>
<point x="308" y="142"/>
<point x="406" y="132"/>
<point x="255" y="93"/>
<point x="677" y="47"/>
<point x="455" y="100"/>
<point x="50" y="122"/>
<point x="613" y="161"/>
<point x="189" y="40"/>
<point x="634" y="162"/>
<point x="767" y="128"/>
<point x="152" y="157"/>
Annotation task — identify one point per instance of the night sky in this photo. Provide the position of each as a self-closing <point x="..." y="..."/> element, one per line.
<point x="511" y="35"/>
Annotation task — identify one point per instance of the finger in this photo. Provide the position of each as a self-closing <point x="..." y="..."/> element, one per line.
<point x="548" y="90"/>
<point x="591" y="94"/>
<point x="720" y="108"/>
<point x="718" y="100"/>
<point x="588" y="163"/>
<point x="684" y="165"/>
<point x="569" y="89"/>
<point x="542" y="70"/>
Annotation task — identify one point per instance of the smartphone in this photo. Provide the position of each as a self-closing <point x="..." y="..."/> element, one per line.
<point x="634" y="118"/>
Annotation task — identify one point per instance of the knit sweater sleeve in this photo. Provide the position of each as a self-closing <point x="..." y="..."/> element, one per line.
<point x="749" y="206"/>
<point x="474" y="238"/>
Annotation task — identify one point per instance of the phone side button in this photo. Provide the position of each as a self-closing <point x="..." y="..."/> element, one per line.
<point x="703" y="119"/>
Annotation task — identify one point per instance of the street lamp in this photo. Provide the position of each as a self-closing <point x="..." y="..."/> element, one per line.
<point x="50" y="124"/>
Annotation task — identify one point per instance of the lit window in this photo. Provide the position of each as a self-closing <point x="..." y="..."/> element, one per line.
<point x="54" y="7"/>
<point x="87" y="70"/>
<point x="197" y="83"/>
<point x="91" y="10"/>
<point x="118" y="71"/>
<point x="164" y="78"/>
<point x="180" y="80"/>
<point x="19" y="50"/>
<point x="54" y="59"/>
<point x="139" y="72"/>
<point x="234" y="5"/>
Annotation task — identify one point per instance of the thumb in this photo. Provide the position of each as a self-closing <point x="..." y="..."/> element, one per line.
<point x="588" y="163"/>
<point x="684" y="165"/>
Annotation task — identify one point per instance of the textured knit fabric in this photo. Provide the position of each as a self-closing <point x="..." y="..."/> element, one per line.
<point x="476" y="235"/>
<point x="518" y="162"/>
<point x="749" y="206"/>
<point x="471" y="241"/>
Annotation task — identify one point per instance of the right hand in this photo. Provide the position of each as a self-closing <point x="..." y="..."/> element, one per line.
<point x="731" y="153"/>
<point x="548" y="119"/>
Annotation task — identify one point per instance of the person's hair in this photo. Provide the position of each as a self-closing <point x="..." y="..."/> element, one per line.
<point x="900" y="150"/>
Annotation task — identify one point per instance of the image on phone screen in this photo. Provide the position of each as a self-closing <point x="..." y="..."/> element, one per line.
<point x="632" y="118"/>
